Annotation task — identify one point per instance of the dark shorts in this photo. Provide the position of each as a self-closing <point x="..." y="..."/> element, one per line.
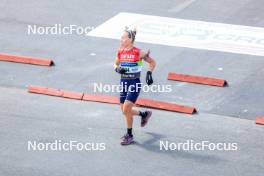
<point x="130" y="89"/>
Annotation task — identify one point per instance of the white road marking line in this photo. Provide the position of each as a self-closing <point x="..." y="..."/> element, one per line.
<point x="186" y="33"/>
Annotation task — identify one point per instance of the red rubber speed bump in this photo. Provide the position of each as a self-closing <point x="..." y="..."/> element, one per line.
<point x="101" y="98"/>
<point x="25" y="59"/>
<point x="45" y="90"/>
<point x="55" y="92"/>
<point x="197" y="79"/>
<point x="165" y="106"/>
<point x="72" y="95"/>
<point x="36" y="89"/>
<point x="260" y="120"/>
<point x="110" y="99"/>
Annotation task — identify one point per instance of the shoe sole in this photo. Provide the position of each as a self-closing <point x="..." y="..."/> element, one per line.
<point x="127" y="143"/>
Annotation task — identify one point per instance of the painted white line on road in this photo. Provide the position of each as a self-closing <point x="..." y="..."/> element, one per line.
<point x="186" y="33"/>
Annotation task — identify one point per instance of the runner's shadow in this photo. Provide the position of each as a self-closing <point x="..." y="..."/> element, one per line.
<point x="152" y="145"/>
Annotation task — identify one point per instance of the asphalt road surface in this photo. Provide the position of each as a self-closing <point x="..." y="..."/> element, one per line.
<point x="225" y="115"/>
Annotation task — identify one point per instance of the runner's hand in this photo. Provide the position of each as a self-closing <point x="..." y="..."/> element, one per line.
<point x="120" y="70"/>
<point x="149" y="79"/>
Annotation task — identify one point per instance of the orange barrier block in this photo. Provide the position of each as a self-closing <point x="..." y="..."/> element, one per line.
<point x="165" y="106"/>
<point x="72" y="95"/>
<point x="101" y="98"/>
<point x="45" y="90"/>
<point x="54" y="92"/>
<point x="260" y="120"/>
<point x="36" y="89"/>
<point x="197" y="79"/>
<point x="25" y="59"/>
<point x="110" y="99"/>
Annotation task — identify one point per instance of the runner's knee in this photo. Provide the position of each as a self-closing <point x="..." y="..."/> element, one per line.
<point x="127" y="109"/>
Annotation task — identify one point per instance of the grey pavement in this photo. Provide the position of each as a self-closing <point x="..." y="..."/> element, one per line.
<point x="225" y="114"/>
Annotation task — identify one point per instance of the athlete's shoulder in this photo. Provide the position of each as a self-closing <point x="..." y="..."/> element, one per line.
<point x="136" y="50"/>
<point x="119" y="51"/>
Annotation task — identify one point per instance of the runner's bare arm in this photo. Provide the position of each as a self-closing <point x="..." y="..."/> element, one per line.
<point x="116" y="63"/>
<point x="148" y="59"/>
